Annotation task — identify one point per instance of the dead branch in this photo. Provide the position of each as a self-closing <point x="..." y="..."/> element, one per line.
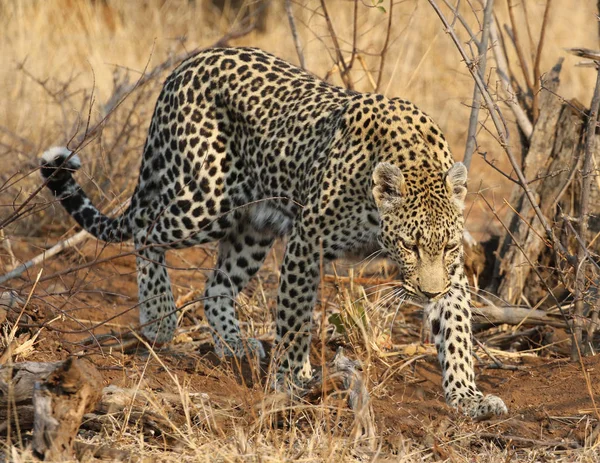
<point x="295" y="36"/>
<point x="482" y="62"/>
<point x="534" y="268"/>
<point x="59" y="404"/>
<point x="156" y="412"/>
<point x="587" y="173"/>
<point x="513" y="315"/>
<point x="503" y="135"/>
<point x="54" y="250"/>
<point x="384" y="50"/>
<point x="462" y="20"/>
<point x="553" y="146"/>
<point x="338" y="51"/>
<point x="112" y="104"/>
<point x="498" y="364"/>
<point x="50" y="398"/>
<point x="585" y="53"/>
<point x="518" y="45"/>
<point x="536" y="66"/>
<point x="354" y="34"/>
<point x="503" y="73"/>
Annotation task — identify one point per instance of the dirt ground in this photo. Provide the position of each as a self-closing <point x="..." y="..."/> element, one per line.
<point x="551" y="400"/>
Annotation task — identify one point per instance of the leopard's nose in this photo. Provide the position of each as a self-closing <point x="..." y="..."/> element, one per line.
<point x="430" y="295"/>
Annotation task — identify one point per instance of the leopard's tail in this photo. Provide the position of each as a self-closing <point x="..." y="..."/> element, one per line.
<point x="57" y="166"/>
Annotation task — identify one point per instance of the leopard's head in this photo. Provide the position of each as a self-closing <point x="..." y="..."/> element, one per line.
<point x="422" y="224"/>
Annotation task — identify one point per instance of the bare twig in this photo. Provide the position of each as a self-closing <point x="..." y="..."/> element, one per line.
<point x="462" y="20"/>
<point x="502" y="69"/>
<point x="586" y="183"/>
<point x="111" y="105"/>
<point x="354" y="34"/>
<point x="519" y="46"/>
<point x="585" y="53"/>
<point x="503" y="135"/>
<point x="482" y="51"/>
<point x="533" y="267"/>
<point x="295" y="36"/>
<point x="497" y="363"/>
<point x="57" y="248"/>
<point x="385" y="47"/>
<point x="528" y="27"/>
<point x="536" y="66"/>
<point x="336" y="45"/>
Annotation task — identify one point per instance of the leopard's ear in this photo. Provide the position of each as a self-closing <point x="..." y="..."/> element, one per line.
<point x="388" y="184"/>
<point x="456" y="182"/>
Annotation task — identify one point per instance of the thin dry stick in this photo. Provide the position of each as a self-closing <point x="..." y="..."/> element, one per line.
<point x="336" y="45"/>
<point x="295" y="36"/>
<point x="57" y="248"/>
<point x="533" y="267"/>
<point x="354" y="34"/>
<point x="518" y="46"/>
<point x="586" y="186"/>
<point x="385" y="47"/>
<point x="503" y="135"/>
<point x="482" y="51"/>
<point x="462" y="20"/>
<point x="529" y="35"/>
<point x="363" y="64"/>
<point x="536" y="66"/>
<point x="502" y="70"/>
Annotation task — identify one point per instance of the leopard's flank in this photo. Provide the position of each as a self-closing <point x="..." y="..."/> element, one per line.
<point x="244" y="148"/>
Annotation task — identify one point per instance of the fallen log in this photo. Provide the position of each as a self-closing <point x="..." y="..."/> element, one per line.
<point x="17" y="383"/>
<point x="59" y="404"/>
<point x="25" y="390"/>
<point x="513" y="315"/>
<point x="50" y="398"/>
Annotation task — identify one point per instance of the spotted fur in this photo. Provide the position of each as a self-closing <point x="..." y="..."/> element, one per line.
<point x="243" y="148"/>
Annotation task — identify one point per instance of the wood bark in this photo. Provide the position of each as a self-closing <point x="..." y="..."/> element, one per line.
<point x="50" y="398"/>
<point x="16" y="392"/>
<point x="512" y="315"/>
<point x="59" y="404"/>
<point x="548" y="166"/>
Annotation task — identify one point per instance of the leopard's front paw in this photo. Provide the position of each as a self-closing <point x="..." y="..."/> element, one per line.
<point x="478" y="406"/>
<point x="240" y="348"/>
<point x="290" y="380"/>
<point x="491" y="404"/>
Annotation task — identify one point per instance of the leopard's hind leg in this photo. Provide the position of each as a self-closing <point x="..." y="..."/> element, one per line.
<point x="241" y="255"/>
<point x="158" y="313"/>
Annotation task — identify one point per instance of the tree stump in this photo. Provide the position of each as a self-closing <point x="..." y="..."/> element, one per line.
<point x="59" y="404"/>
<point x="51" y="398"/>
<point x="551" y="166"/>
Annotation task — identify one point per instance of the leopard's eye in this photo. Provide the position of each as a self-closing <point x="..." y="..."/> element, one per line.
<point x="412" y="247"/>
<point x="450" y="247"/>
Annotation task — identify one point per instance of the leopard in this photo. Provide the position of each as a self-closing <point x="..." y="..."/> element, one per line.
<point x="245" y="148"/>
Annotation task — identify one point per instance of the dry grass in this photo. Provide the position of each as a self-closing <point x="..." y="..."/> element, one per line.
<point x="60" y="55"/>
